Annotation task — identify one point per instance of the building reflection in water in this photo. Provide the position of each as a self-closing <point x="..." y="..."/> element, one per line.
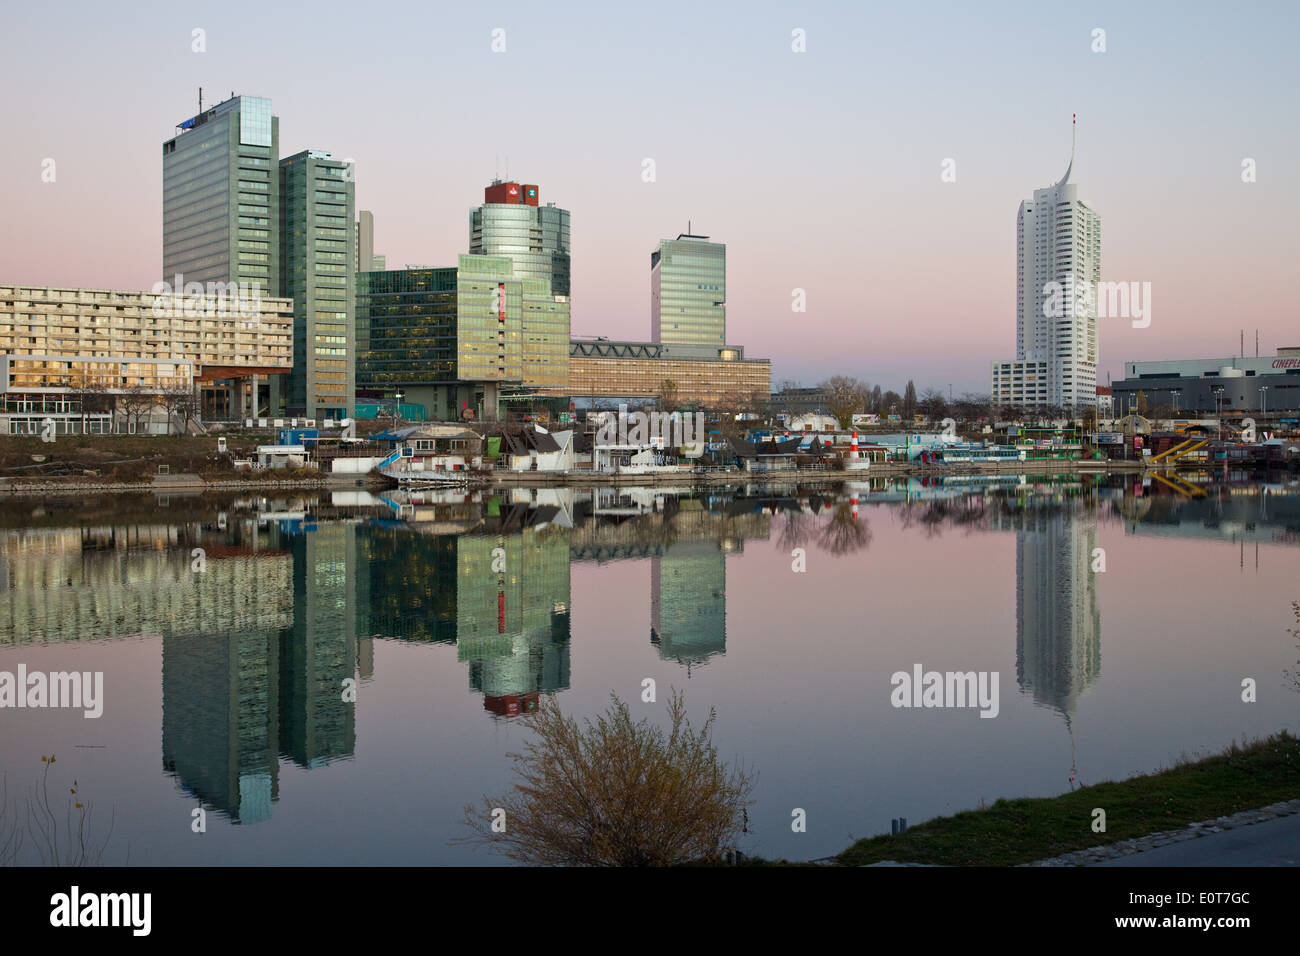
<point x="256" y="648"/>
<point x="1058" y="626"/>
<point x="501" y="593"/>
<point x="688" y="602"/>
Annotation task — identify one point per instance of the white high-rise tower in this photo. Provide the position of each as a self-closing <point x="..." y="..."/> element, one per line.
<point x="1058" y="268"/>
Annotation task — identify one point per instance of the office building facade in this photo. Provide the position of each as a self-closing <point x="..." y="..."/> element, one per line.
<point x="1058" y="272"/>
<point x="688" y="292"/>
<point x="366" y="259"/>
<point x="317" y="242"/>
<point x="454" y="339"/>
<point x="221" y="196"/>
<point x="512" y="223"/>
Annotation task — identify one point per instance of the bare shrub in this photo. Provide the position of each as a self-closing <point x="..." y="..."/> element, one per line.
<point x="616" y="793"/>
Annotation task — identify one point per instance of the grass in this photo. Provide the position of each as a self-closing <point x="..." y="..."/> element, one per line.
<point x="127" y="458"/>
<point x="1243" y="777"/>
<point x="118" y="457"/>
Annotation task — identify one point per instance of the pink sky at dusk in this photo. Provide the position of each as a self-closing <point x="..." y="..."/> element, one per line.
<point x="820" y="170"/>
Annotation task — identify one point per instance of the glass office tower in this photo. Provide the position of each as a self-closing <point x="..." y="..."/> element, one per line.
<point x="511" y="222"/>
<point x="318" y="240"/>
<point x="221" y="196"/>
<point x="450" y="339"/>
<point x="688" y="292"/>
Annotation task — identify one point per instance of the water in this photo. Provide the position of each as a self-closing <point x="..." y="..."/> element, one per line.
<point x="222" y="686"/>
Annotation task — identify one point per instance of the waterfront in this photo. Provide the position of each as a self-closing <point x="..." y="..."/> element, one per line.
<point x="222" y="685"/>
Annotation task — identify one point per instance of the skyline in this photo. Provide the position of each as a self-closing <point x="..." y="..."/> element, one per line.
<point x="762" y="158"/>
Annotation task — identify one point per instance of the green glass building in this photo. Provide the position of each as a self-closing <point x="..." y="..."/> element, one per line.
<point x="318" y="247"/>
<point x="221" y="205"/>
<point x="535" y="237"/>
<point x="688" y="292"/>
<point x="454" y="339"/>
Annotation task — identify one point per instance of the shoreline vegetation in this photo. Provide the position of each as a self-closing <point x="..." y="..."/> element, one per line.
<point x="1242" y="777"/>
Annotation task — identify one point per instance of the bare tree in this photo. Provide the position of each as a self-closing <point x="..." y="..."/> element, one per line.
<point x="91" y="395"/>
<point x="844" y="533"/>
<point x="136" y="403"/>
<point x="933" y="405"/>
<point x="796" y="530"/>
<point x="845" y="397"/>
<point x="615" y="793"/>
<point x="179" y="403"/>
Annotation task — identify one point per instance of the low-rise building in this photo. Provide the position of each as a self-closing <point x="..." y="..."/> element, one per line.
<point x="430" y="448"/>
<point x="1242" y="385"/>
<point x="689" y="375"/>
<point x="537" y="449"/>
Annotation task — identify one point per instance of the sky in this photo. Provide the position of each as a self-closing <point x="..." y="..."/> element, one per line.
<point x="821" y="170"/>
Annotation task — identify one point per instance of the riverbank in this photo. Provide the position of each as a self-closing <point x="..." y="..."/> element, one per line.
<point x="261" y="481"/>
<point x="1044" y="830"/>
<point x="102" y="464"/>
<point x="183" y="484"/>
<point x="810" y="476"/>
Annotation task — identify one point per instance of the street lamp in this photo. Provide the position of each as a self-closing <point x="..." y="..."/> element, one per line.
<point x="397" y="407"/>
<point x="1218" y="409"/>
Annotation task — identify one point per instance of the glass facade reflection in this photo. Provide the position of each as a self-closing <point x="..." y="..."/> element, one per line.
<point x="688" y="292"/>
<point x="221" y="196"/>
<point x="318" y="246"/>
<point x="535" y="238"/>
<point x="449" y="333"/>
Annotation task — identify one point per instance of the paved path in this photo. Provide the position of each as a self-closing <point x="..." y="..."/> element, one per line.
<point x="1270" y="843"/>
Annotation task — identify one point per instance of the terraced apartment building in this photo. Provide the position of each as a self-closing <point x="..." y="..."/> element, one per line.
<point x="77" y="355"/>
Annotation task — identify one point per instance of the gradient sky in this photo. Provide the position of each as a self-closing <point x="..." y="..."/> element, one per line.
<point x="819" y="170"/>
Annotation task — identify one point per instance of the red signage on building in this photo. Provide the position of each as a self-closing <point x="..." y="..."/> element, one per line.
<point x="511" y="194"/>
